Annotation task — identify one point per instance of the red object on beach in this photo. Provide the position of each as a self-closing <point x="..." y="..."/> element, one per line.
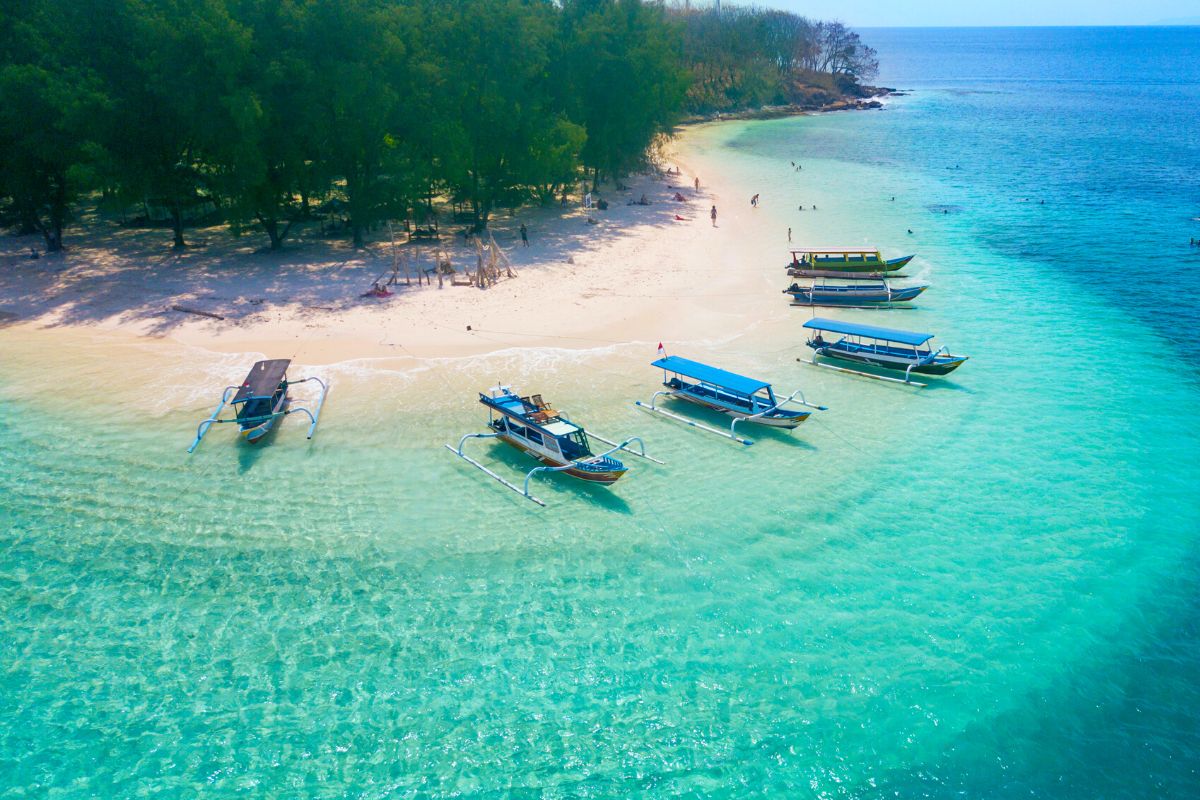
<point x="681" y="219"/>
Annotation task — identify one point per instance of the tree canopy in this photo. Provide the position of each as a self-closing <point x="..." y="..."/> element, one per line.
<point x="259" y="112"/>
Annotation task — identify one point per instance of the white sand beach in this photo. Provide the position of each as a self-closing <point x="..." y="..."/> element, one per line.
<point x="639" y="274"/>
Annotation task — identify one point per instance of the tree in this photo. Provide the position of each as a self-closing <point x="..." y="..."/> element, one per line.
<point x="265" y="160"/>
<point x="843" y="53"/>
<point x="369" y="104"/>
<point x="623" y="76"/>
<point x="504" y="130"/>
<point x="46" y="108"/>
<point x="170" y="67"/>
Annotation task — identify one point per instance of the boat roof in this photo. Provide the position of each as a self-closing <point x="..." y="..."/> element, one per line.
<point x="559" y="427"/>
<point x="513" y="405"/>
<point x="839" y="251"/>
<point x="703" y="372"/>
<point x="870" y="331"/>
<point x="263" y="380"/>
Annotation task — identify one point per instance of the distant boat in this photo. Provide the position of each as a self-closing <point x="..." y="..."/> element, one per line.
<point x="887" y="348"/>
<point x="261" y="400"/>
<point x="842" y="263"/>
<point x="744" y="399"/>
<point x="875" y="294"/>
<point x="530" y="425"/>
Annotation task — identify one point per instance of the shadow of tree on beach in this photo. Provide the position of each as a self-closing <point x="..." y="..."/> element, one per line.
<point x="109" y="273"/>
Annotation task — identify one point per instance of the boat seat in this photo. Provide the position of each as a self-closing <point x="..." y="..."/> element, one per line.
<point x="538" y="402"/>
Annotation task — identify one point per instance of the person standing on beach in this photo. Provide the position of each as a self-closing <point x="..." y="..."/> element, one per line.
<point x="524" y="235"/>
<point x="789" y="235"/>
<point x="754" y="201"/>
<point x="713" y="216"/>
<point x="697" y="184"/>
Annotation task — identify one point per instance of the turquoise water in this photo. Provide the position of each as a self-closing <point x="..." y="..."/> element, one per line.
<point x="986" y="588"/>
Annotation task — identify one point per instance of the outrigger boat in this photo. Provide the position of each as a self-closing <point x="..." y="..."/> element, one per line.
<point x="530" y="425"/>
<point x="744" y="399"/>
<point x="843" y="264"/>
<point x="855" y="295"/>
<point x="903" y="351"/>
<point x="260" y="400"/>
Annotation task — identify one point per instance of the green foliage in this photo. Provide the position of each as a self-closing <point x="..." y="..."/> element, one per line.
<point x="47" y="110"/>
<point x="744" y="57"/>
<point x="255" y="111"/>
<point x="625" y="82"/>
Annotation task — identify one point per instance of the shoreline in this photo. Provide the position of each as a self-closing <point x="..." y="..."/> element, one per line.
<point x="640" y="274"/>
<point x="872" y="100"/>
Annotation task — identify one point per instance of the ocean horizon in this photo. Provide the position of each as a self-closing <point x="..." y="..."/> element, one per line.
<point x="986" y="588"/>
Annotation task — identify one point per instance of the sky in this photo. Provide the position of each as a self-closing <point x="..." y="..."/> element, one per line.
<point x="917" y="13"/>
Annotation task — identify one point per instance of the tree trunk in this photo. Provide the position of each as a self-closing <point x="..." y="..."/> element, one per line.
<point x="177" y="226"/>
<point x="476" y="203"/>
<point x="58" y="214"/>
<point x="52" y="233"/>
<point x="271" y="226"/>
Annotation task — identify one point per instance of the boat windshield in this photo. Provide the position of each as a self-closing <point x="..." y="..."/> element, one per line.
<point x="256" y="407"/>
<point x="575" y="445"/>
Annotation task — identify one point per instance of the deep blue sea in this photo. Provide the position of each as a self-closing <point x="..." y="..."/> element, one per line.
<point x="1102" y="123"/>
<point x="989" y="588"/>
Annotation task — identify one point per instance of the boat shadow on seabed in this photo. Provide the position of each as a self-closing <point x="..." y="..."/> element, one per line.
<point x="249" y="454"/>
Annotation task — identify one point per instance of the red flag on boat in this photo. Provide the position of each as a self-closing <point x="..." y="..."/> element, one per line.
<point x="662" y="351"/>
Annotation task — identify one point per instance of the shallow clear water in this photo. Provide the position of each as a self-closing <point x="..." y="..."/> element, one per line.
<point x="984" y="588"/>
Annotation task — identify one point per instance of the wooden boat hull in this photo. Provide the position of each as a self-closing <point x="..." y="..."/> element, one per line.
<point x="781" y="419"/>
<point x="839" y="266"/>
<point x="796" y="272"/>
<point x="852" y="295"/>
<point x="942" y="365"/>
<point x="603" y="477"/>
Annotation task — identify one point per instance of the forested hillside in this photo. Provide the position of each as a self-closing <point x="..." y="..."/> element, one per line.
<point x="258" y="113"/>
<point x="744" y="58"/>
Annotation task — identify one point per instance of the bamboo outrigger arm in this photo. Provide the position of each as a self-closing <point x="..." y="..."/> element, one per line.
<point x="314" y="417"/>
<point x="907" y="380"/>
<point x="524" y="489"/>
<point x="788" y="399"/>
<point x="203" y="427"/>
<point x="654" y="409"/>
<point x="641" y="452"/>
<point x="575" y="464"/>
<point x="500" y="479"/>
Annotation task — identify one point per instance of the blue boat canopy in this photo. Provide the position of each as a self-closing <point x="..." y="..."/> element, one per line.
<point x="870" y="331"/>
<point x="703" y="372"/>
